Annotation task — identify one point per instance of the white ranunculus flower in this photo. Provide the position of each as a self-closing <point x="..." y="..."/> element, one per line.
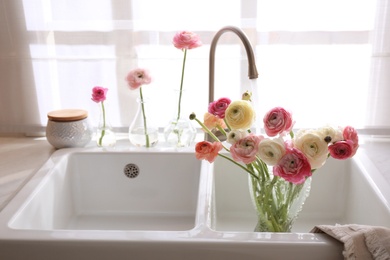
<point x="271" y="150"/>
<point x="313" y="146"/>
<point x="331" y="134"/>
<point x="235" y="135"/>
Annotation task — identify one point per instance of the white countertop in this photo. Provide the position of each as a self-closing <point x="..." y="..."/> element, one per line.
<point x="21" y="157"/>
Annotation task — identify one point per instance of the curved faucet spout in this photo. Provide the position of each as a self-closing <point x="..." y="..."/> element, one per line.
<point x="252" y="70"/>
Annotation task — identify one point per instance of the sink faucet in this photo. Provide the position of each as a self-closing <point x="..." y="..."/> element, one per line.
<point x="252" y="70"/>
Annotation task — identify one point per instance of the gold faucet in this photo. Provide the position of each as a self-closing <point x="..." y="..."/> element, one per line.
<point x="252" y="70"/>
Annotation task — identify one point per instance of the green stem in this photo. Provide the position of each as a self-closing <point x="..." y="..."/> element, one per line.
<point x="181" y="84"/>
<point x="104" y="125"/>
<point x="222" y="130"/>
<point x="209" y="132"/>
<point x="227" y="124"/>
<point x="239" y="165"/>
<point x="144" y="116"/>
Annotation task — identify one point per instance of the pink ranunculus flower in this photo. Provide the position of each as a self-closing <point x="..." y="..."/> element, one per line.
<point x="211" y="121"/>
<point x="99" y="94"/>
<point x="293" y="167"/>
<point x="207" y="151"/>
<point x="277" y="121"/>
<point x="138" y="77"/>
<point x="218" y="107"/>
<point x="342" y="150"/>
<point x="186" y="40"/>
<point x="245" y="149"/>
<point x="350" y="134"/>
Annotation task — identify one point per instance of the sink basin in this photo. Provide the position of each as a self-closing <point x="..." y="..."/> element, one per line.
<point x="162" y="203"/>
<point x="340" y="194"/>
<point x="114" y="191"/>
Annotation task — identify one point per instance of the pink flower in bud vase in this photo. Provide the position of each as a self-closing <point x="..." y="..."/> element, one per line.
<point x="186" y="40"/>
<point x="99" y="94"/>
<point x="245" y="149"/>
<point x="218" y="107"/>
<point x="135" y="79"/>
<point x="277" y="121"/>
<point x="293" y="167"/>
<point x="207" y="151"/>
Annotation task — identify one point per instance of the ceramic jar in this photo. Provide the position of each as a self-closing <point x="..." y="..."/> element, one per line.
<point x="68" y="128"/>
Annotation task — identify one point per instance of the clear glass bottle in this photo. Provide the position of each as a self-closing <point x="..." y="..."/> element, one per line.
<point x="179" y="132"/>
<point x="142" y="131"/>
<point x="105" y="136"/>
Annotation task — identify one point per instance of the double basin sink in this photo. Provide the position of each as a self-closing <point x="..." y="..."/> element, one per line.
<point x="165" y="204"/>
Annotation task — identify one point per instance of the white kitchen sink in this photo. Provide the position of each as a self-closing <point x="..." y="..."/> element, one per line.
<point x="341" y="192"/>
<point x="114" y="191"/>
<point x="82" y="204"/>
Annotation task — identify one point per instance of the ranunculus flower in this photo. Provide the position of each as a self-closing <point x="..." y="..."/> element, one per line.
<point x="207" y="151"/>
<point x="342" y="150"/>
<point x="293" y="167"/>
<point x="186" y="40"/>
<point x="313" y="146"/>
<point x="350" y="134"/>
<point x="271" y="150"/>
<point x="245" y="149"/>
<point x="330" y="134"/>
<point x="99" y="94"/>
<point x="211" y="121"/>
<point x="276" y="121"/>
<point x="235" y="135"/>
<point x="218" y="107"/>
<point x="240" y="114"/>
<point x="138" y="77"/>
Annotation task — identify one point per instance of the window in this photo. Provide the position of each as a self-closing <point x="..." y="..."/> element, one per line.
<point x="313" y="57"/>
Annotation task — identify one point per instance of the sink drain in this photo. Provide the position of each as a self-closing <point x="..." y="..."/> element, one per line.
<point x="131" y="170"/>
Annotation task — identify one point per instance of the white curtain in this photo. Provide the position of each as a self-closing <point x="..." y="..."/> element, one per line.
<point x="379" y="90"/>
<point x="316" y="58"/>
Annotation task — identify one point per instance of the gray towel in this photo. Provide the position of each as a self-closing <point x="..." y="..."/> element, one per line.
<point x="360" y="242"/>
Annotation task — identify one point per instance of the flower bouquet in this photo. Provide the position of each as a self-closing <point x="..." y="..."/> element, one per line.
<point x="280" y="164"/>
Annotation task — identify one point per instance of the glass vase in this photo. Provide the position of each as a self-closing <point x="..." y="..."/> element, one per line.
<point x="277" y="202"/>
<point x="105" y="136"/>
<point x="142" y="131"/>
<point x="179" y="132"/>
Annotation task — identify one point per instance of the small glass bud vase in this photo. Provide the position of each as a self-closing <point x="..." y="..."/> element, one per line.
<point x="105" y="136"/>
<point x="142" y="131"/>
<point x="179" y="132"/>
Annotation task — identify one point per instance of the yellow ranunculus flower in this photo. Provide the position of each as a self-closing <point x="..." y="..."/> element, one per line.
<point x="240" y="114"/>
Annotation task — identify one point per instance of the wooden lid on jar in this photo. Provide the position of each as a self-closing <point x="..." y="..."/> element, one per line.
<point x="67" y="115"/>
